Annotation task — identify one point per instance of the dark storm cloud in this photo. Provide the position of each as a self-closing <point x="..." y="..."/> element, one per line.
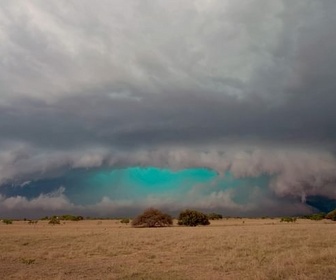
<point x="177" y="84"/>
<point x="229" y="71"/>
<point x="183" y="118"/>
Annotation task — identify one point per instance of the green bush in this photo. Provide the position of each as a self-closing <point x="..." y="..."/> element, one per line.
<point x="54" y="221"/>
<point x="288" y="219"/>
<point x="152" y="218"/>
<point x="192" y="218"/>
<point x="71" y="218"/>
<point x="7" y="221"/>
<point x="125" y="221"/>
<point x="331" y="215"/>
<point x="318" y="216"/>
<point x="315" y="217"/>
<point x="214" y="216"/>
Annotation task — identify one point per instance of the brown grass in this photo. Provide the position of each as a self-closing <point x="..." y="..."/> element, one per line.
<point x="228" y="249"/>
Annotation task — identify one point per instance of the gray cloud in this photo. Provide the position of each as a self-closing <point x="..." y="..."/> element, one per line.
<point x="247" y="87"/>
<point x="57" y="203"/>
<point x="296" y="172"/>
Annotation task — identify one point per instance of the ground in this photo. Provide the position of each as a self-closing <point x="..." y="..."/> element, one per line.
<point x="227" y="249"/>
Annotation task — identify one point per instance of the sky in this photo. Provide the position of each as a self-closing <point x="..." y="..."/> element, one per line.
<point x="110" y="107"/>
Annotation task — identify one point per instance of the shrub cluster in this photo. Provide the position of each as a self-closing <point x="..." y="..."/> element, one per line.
<point x="54" y="221"/>
<point x="320" y="216"/>
<point x="152" y="218"/>
<point x="125" y="221"/>
<point x="7" y="221"/>
<point x="315" y="217"/>
<point x="155" y="218"/>
<point x="214" y="216"/>
<point x="192" y="218"/>
<point x="331" y="215"/>
<point x="70" y="218"/>
<point x="66" y="217"/>
<point x="288" y="219"/>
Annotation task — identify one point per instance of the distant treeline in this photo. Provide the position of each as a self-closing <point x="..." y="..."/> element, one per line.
<point x="211" y="216"/>
<point x="315" y="217"/>
<point x="320" y="216"/>
<point x="66" y="217"/>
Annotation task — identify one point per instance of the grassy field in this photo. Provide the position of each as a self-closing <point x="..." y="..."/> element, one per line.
<point x="227" y="249"/>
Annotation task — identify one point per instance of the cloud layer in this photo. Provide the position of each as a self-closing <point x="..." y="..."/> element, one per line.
<point x="242" y="87"/>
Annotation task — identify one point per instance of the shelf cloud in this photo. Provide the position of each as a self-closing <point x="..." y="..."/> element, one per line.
<point x="241" y="89"/>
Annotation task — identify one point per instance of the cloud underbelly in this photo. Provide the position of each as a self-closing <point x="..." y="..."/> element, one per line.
<point x="113" y="191"/>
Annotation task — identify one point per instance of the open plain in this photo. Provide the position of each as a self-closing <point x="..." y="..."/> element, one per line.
<point x="227" y="249"/>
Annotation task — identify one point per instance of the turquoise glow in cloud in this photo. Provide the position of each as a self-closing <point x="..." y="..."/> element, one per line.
<point x="88" y="187"/>
<point x="137" y="183"/>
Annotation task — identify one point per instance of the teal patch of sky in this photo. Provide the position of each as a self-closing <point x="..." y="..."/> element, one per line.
<point x="139" y="182"/>
<point x="90" y="186"/>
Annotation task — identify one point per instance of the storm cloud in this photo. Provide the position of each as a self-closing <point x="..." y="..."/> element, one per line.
<point x="246" y="88"/>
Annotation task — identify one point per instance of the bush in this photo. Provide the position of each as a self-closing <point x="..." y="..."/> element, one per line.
<point x="7" y="221"/>
<point x="318" y="216"/>
<point x="152" y="218"/>
<point x="193" y="218"/>
<point x="214" y="216"/>
<point x="315" y="217"/>
<point x="288" y="219"/>
<point x="331" y="215"/>
<point x="71" y="218"/>
<point x="125" y="221"/>
<point x="54" y="221"/>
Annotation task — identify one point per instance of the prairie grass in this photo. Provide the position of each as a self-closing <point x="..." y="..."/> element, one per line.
<point x="227" y="249"/>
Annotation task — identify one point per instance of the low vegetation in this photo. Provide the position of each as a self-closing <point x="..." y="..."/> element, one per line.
<point x="320" y="216"/>
<point x="288" y="219"/>
<point x="192" y="218"/>
<point x="54" y="221"/>
<point x="152" y="218"/>
<point x="66" y="217"/>
<point x="214" y="216"/>
<point x="315" y="217"/>
<point x="125" y="221"/>
<point x="70" y="218"/>
<point x="331" y="215"/>
<point x="7" y="221"/>
<point x="228" y="249"/>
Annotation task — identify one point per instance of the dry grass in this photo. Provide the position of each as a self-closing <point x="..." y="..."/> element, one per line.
<point x="228" y="249"/>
